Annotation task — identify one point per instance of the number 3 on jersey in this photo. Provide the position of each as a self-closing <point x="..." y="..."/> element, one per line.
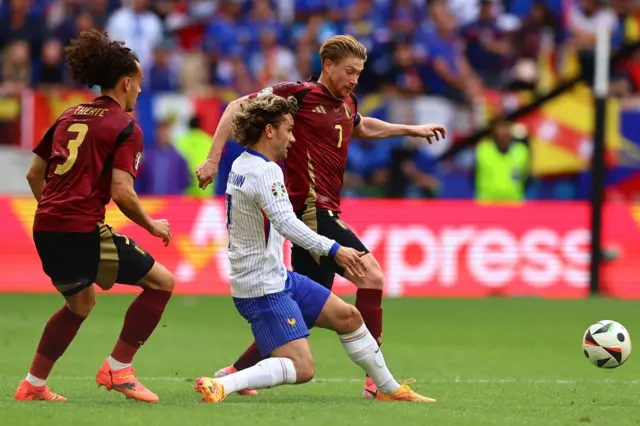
<point x="73" y="145"/>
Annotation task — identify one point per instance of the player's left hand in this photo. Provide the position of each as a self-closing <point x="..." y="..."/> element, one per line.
<point x="429" y="131"/>
<point x="350" y="260"/>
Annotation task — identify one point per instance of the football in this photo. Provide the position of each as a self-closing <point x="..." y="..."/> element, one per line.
<point x="607" y="344"/>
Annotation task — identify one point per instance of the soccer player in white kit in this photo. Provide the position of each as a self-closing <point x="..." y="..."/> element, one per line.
<point x="281" y="305"/>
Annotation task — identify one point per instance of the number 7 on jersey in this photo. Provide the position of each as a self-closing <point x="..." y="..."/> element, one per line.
<point x="339" y="127"/>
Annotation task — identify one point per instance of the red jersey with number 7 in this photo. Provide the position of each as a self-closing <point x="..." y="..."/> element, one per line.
<point x="82" y="148"/>
<point x="315" y="165"/>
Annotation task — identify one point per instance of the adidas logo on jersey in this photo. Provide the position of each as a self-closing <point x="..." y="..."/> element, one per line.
<point x="320" y="109"/>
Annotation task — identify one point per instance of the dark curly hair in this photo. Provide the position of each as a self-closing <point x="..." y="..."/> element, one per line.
<point x="96" y="60"/>
<point x="252" y="117"/>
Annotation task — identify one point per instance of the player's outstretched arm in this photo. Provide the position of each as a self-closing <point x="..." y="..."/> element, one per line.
<point x="208" y="169"/>
<point x="129" y="204"/>
<point x="372" y="128"/>
<point x="36" y="175"/>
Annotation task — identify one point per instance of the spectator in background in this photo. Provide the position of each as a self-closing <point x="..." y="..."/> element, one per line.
<point x="49" y="70"/>
<point x="163" y="76"/>
<point x="502" y="166"/>
<point x="16" y="68"/>
<point x="232" y="73"/>
<point x="100" y="12"/>
<point x="193" y="146"/>
<point x="448" y="73"/>
<point x="272" y="63"/>
<point x="539" y="23"/>
<point x="534" y="43"/>
<point x="412" y="171"/>
<point x="584" y="19"/>
<point x="405" y="16"/>
<point x="405" y="76"/>
<point x="74" y="25"/>
<point x="306" y="9"/>
<point x="187" y="21"/>
<point x="308" y="37"/>
<point x="164" y="171"/>
<point x="19" y="25"/>
<point x="139" y="28"/>
<point x="361" y="22"/>
<point x="262" y="17"/>
<point x="367" y="169"/>
<point x="487" y="47"/>
<point x="222" y="34"/>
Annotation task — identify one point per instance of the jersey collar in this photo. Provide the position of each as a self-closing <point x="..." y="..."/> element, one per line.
<point x="256" y="153"/>
<point x="314" y="79"/>
<point x="107" y="99"/>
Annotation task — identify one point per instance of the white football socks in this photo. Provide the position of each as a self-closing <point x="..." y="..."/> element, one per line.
<point x="35" y="381"/>
<point x="117" y="365"/>
<point x="364" y="351"/>
<point x="265" y="374"/>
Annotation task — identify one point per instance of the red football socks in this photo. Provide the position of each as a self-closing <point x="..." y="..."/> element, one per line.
<point x="141" y="319"/>
<point x="249" y="358"/>
<point x="369" y="303"/>
<point x="58" y="334"/>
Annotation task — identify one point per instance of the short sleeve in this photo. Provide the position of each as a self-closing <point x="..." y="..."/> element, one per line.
<point x="128" y="155"/>
<point x="43" y="149"/>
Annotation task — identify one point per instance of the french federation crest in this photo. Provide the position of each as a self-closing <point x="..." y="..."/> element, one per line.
<point x="278" y="190"/>
<point x="137" y="162"/>
<point x="266" y="91"/>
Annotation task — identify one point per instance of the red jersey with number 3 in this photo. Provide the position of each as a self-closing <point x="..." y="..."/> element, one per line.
<point x="82" y="148"/>
<point x="317" y="160"/>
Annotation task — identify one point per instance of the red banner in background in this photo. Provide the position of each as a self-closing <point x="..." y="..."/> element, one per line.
<point x="425" y="248"/>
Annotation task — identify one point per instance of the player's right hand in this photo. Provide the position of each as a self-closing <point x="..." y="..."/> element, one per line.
<point x="351" y="260"/>
<point x="160" y="228"/>
<point x="206" y="173"/>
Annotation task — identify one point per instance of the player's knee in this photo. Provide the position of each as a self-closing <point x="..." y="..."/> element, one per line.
<point x="352" y="320"/>
<point x="375" y="279"/>
<point x="168" y="282"/>
<point x="304" y="370"/>
<point x="82" y="306"/>
<point x="347" y="320"/>
<point x="163" y="280"/>
<point x="355" y="318"/>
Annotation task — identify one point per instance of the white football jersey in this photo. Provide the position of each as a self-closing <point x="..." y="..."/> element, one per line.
<point x="259" y="217"/>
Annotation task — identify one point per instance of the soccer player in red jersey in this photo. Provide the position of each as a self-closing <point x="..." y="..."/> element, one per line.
<point x="89" y="156"/>
<point x="327" y="120"/>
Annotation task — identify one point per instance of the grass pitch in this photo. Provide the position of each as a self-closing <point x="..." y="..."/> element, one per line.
<point x="488" y="362"/>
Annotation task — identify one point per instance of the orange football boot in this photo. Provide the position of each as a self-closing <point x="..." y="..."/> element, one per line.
<point x="230" y="370"/>
<point x="211" y="389"/>
<point x="28" y="392"/>
<point x="404" y="393"/>
<point x="125" y="382"/>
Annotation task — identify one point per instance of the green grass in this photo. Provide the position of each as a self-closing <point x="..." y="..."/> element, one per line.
<point x="488" y="362"/>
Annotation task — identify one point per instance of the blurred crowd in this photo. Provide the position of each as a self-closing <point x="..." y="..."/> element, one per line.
<point x="454" y="49"/>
